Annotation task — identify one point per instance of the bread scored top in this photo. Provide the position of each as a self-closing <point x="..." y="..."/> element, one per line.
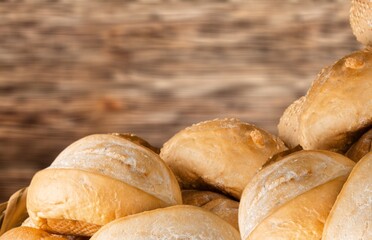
<point x="98" y="179"/>
<point x="290" y="198"/>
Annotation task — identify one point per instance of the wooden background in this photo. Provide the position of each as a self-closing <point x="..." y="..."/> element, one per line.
<point x="69" y="68"/>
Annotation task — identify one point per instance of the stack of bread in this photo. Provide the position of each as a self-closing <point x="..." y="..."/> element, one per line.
<point x="220" y="179"/>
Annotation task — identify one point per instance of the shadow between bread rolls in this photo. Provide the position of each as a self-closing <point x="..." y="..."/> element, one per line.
<point x="291" y="198"/>
<point x="220" y="155"/>
<point x="96" y="180"/>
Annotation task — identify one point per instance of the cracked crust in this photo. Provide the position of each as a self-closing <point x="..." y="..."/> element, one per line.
<point x="285" y="181"/>
<point x="351" y="217"/>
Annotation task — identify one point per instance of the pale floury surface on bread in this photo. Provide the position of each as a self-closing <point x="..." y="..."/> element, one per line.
<point x="221" y="154"/>
<point x="351" y="215"/>
<point x="286" y="183"/>
<point x="361" y="20"/>
<point x="222" y="206"/>
<point x="96" y="180"/>
<point x="172" y="223"/>
<point x="28" y="233"/>
<point x="336" y="108"/>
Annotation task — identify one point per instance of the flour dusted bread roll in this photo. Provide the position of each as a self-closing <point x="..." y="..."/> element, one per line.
<point x="351" y="215"/>
<point x="361" y="147"/>
<point x="177" y="222"/>
<point x="221" y="154"/>
<point x="291" y="198"/>
<point x="337" y="108"/>
<point x="361" y="20"/>
<point x="27" y="233"/>
<point x="218" y="204"/>
<point x="96" y="180"/>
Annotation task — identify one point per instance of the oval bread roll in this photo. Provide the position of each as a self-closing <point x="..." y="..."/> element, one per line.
<point x="291" y="198"/>
<point x="177" y="222"/>
<point x="361" y="147"/>
<point x="351" y="215"/>
<point x="218" y="204"/>
<point x="222" y="154"/>
<point x="96" y="180"/>
<point x="337" y="108"/>
<point x="361" y="20"/>
<point x="27" y="233"/>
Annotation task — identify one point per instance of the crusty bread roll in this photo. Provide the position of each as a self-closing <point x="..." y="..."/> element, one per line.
<point x="218" y="204"/>
<point x="177" y="222"/>
<point x="337" y="108"/>
<point x="360" y="148"/>
<point x="291" y="198"/>
<point x="351" y="215"/>
<point x="361" y="20"/>
<point x="222" y="154"/>
<point x="27" y="233"/>
<point x="96" y="180"/>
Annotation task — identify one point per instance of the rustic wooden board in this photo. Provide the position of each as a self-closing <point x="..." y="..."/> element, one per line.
<point x="71" y="68"/>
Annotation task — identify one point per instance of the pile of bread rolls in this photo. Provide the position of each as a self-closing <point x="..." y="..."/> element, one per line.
<point x="223" y="179"/>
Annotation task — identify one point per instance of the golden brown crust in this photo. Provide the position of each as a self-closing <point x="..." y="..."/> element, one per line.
<point x="199" y="198"/>
<point x="284" y="181"/>
<point x="350" y="217"/>
<point x="27" y="233"/>
<point x="177" y="222"/>
<point x="96" y="180"/>
<point x="360" y="148"/>
<point x="222" y="154"/>
<point x="336" y="109"/>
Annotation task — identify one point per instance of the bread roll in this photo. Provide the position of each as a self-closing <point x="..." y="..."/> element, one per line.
<point x="222" y="154"/>
<point x="291" y="198"/>
<point x="27" y="233"/>
<point x="360" y="148"/>
<point x="96" y="180"/>
<point x="337" y="108"/>
<point x="361" y="20"/>
<point x="177" y="222"/>
<point x="351" y="215"/>
<point x="218" y="204"/>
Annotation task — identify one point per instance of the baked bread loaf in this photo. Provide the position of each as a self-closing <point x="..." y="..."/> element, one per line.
<point x="361" y="20"/>
<point x="351" y="215"/>
<point x="177" y="222"/>
<point x="337" y="108"/>
<point x="222" y="155"/>
<point x="96" y="180"/>
<point x="360" y="148"/>
<point x="27" y="233"/>
<point x="218" y="204"/>
<point x="291" y="198"/>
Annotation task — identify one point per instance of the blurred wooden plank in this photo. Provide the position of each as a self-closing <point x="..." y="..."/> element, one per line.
<point x="72" y="68"/>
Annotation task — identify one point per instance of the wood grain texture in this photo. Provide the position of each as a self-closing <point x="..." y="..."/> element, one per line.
<point x="71" y="68"/>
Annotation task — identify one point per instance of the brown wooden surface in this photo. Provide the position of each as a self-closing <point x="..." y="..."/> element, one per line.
<point x="71" y="68"/>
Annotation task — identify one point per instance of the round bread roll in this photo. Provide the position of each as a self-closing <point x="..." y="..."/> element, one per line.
<point x="222" y="155"/>
<point x="96" y="180"/>
<point x="361" y="147"/>
<point x="177" y="222"/>
<point x="291" y="198"/>
<point x="27" y="233"/>
<point x="337" y="108"/>
<point x="361" y="20"/>
<point x="218" y="204"/>
<point x="351" y="215"/>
